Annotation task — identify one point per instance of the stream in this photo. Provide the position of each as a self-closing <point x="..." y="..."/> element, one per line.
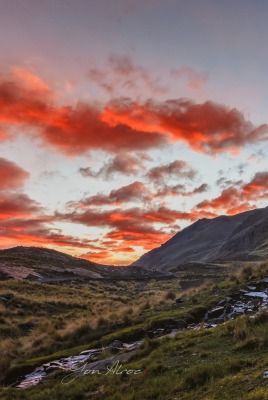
<point x="249" y="300"/>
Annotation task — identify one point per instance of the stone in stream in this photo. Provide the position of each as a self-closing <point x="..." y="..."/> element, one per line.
<point x="238" y="302"/>
<point x="115" y="346"/>
<point x="260" y="295"/>
<point x="216" y="312"/>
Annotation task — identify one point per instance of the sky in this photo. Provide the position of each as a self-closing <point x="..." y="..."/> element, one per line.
<point x="122" y="122"/>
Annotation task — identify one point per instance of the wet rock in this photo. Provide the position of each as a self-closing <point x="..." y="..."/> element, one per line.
<point x="216" y="312"/>
<point x="262" y="284"/>
<point x="224" y="301"/>
<point x="170" y="328"/>
<point x="7" y="296"/>
<point x="235" y="295"/>
<point x="228" y="309"/>
<point x="115" y="346"/>
<point x="251" y="288"/>
<point x="180" y="324"/>
<point x="159" y="332"/>
<point x="261" y="295"/>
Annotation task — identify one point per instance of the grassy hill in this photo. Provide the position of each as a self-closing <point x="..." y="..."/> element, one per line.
<point x="226" y="361"/>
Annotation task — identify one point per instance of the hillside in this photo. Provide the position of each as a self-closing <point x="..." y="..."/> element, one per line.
<point x="209" y="343"/>
<point x="238" y="237"/>
<point x="46" y="265"/>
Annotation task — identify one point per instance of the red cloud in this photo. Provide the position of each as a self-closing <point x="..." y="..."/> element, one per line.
<point x="133" y="192"/>
<point x="19" y="105"/>
<point x="177" y="169"/>
<point x="79" y="129"/>
<point x="125" y="125"/>
<point x="133" y="226"/>
<point x="258" y="186"/>
<point x="238" y="199"/>
<point x="30" y="80"/>
<point x="180" y="190"/>
<point x="17" y="206"/>
<point x="207" y="127"/>
<point x="201" y="189"/>
<point x="34" y="232"/>
<point x="72" y="130"/>
<point x="11" y="175"/>
<point x="120" y="164"/>
<point x="99" y="254"/>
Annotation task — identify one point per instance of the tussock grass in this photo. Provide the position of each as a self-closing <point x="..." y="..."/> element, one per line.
<point x="224" y="362"/>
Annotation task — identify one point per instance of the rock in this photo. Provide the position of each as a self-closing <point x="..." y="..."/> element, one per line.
<point x="265" y="374"/>
<point x="216" y="312"/>
<point x="180" y="324"/>
<point x="115" y="346"/>
<point x="235" y="295"/>
<point x="26" y="328"/>
<point x="7" y="296"/>
<point x="198" y="313"/>
<point x="228" y="309"/>
<point x="179" y="300"/>
<point x="260" y="295"/>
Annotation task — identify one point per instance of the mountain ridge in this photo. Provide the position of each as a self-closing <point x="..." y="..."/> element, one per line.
<point x="210" y="240"/>
<point x="49" y="265"/>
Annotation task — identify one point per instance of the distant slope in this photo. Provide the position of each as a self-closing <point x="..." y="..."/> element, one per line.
<point x="240" y="236"/>
<point x="46" y="265"/>
<point x="249" y="240"/>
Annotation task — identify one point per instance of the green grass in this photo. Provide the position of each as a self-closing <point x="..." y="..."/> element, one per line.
<point x="225" y="363"/>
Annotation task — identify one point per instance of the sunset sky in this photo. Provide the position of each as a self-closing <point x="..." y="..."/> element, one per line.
<point x="123" y="121"/>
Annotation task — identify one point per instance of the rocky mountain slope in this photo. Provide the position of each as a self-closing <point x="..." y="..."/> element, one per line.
<point x="239" y="237"/>
<point x="46" y="265"/>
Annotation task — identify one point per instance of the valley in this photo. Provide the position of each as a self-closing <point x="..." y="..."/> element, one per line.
<point x="196" y="329"/>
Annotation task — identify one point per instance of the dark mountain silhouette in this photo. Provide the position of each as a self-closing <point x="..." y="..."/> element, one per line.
<point x="239" y="237"/>
<point x="46" y="265"/>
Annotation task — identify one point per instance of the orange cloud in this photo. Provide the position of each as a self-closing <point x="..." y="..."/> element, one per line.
<point x="11" y="175"/>
<point x="19" y="105"/>
<point x="32" y="230"/>
<point x="207" y="127"/>
<point x="134" y="226"/>
<point x="125" y="125"/>
<point x="18" y="206"/>
<point x="235" y="199"/>
<point x="258" y="186"/>
<point x="72" y="130"/>
<point x="30" y="80"/>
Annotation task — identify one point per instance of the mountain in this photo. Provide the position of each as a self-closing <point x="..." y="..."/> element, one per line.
<point x="242" y="236"/>
<point x="46" y="265"/>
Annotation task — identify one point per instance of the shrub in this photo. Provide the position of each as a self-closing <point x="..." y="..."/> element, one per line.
<point x="170" y="295"/>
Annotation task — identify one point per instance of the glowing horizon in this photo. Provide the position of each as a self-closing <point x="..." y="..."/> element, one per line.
<point x="122" y="123"/>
